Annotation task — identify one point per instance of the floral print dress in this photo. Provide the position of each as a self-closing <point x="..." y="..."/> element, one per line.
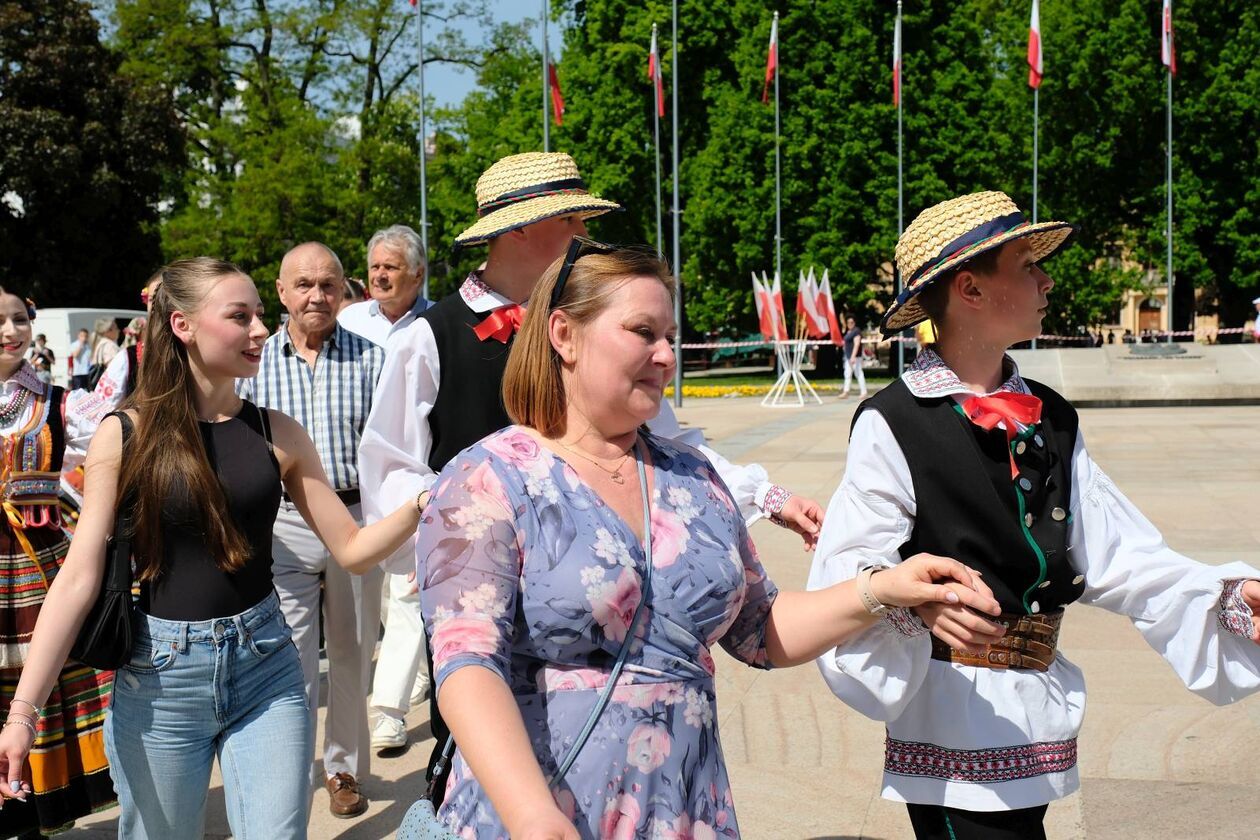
<point x="525" y="571"/>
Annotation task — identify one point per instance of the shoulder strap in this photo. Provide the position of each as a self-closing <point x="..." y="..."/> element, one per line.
<point x="133" y="367"/>
<point x="605" y="695"/>
<point x="118" y="575"/>
<point x="265" y="419"/>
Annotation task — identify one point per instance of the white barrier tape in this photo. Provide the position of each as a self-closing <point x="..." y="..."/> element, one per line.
<point x="724" y="345"/>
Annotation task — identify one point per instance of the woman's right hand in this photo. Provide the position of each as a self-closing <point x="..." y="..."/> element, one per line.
<point x="15" y="746"/>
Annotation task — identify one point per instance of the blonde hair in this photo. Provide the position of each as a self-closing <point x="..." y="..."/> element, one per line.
<point x="533" y="390"/>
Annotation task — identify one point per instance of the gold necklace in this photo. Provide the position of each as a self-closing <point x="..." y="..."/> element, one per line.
<point x="614" y="474"/>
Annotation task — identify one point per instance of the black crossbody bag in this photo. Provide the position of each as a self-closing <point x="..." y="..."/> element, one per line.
<point x="105" y="639"/>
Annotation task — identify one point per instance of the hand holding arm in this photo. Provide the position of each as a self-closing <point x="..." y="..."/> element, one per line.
<point x="805" y="624"/>
<point x="356" y="549"/>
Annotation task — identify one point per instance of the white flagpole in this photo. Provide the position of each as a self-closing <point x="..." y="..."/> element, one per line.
<point x="424" y="144"/>
<point x="1170" y="205"/>
<point x="778" y="199"/>
<point x="656" y="136"/>
<point x="546" y="83"/>
<point x="678" y="366"/>
<point x="901" y="95"/>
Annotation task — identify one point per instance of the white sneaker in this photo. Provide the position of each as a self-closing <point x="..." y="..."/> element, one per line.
<point x="389" y="733"/>
<point x="420" y="690"/>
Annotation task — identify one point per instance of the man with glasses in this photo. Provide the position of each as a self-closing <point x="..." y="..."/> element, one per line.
<point x="444" y="374"/>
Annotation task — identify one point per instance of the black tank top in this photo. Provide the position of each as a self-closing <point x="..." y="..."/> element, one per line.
<point x="192" y="587"/>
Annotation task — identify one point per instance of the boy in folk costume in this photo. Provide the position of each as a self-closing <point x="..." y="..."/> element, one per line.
<point x="964" y="458"/>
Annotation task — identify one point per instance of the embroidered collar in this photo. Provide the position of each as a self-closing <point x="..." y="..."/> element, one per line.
<point x="929" y="377"/>
<point x="26" y="376"/>
<point x="479" y="296"/>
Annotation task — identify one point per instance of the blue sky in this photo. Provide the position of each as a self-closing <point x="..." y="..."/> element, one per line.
<point x="448" y="84"/>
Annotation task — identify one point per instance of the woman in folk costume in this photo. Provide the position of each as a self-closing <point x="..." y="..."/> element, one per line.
<point x="964" y="458"/>
<point x="68" y="775"/>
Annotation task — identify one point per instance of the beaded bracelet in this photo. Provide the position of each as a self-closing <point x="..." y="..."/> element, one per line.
<point x="36" y="709"/>
<point x="11" y="721"/>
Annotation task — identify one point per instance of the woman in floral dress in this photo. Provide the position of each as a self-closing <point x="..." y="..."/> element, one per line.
<point x="531" y="566"/>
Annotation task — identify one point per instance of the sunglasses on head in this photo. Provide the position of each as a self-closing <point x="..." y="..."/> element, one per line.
<point x="580" y="247"/>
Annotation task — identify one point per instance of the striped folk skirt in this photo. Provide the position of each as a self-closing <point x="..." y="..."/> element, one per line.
<point x="67" y="769"/>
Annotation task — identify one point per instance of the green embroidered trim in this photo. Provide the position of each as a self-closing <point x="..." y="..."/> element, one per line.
<point x="949" y="826"/>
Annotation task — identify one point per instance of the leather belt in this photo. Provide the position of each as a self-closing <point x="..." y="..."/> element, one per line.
<point x="349" y="498"/>
<point x="1031" y="642"/>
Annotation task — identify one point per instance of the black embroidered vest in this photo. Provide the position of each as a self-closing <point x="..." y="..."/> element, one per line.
<point x="1014" y="532"/>
<point x="469" y="402"/>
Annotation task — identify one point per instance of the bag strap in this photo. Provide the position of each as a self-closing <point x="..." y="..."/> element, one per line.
<point x="449" y="748"/>
<point x="265" y="419"/>
<point x="118" y="575"/>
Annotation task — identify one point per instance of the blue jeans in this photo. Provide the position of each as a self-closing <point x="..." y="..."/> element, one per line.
<point x="230" y="687"/>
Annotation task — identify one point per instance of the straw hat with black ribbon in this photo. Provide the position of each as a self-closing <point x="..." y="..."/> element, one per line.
<point x="519" y="190"/>
<point x="946" y="235"/>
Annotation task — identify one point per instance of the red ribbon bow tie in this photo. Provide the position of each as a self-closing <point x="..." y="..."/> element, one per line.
<point x="1008" y="408"/>
<point x="502" y="323"/>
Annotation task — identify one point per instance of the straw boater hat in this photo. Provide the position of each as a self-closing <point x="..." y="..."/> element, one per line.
<point x="522" y="189"/>
<point x="945" y="236"/>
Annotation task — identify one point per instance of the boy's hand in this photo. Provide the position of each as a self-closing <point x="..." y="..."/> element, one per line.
<point x="1251" y="596"/>
<point x="802" y="515"/>
<point x="960" y="627"/>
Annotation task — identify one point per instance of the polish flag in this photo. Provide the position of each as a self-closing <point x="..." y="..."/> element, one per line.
<point x="654" y="74"/>
<point x="828" y="307"/>
<point x="557" y="98"/>
<point x="765" y="309"/>
<point x="780" y="316"/>
<point x="772" y="58"/>
<point x="807" y="299"/>
<point x="1167" y="52"/>
<point x="1034" y="48"/>
<point x="896" y="62"/>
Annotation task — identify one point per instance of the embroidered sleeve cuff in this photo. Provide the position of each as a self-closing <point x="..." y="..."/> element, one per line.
<point x="905" y="621"/>
<point x="1235" y="615"/>
<point x="776" y="498"/>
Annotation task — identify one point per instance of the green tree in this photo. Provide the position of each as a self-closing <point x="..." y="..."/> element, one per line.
<point x="85" y="156"/>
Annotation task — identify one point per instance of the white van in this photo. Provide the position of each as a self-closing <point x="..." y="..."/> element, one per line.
<point x="62" y="325"/>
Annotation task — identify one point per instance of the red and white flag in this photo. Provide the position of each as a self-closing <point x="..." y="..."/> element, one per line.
<point x="765" y="309"/>
<point x="807" y="300"/>
<point x="772" y="58"/>
<point x="557" y="98"/>
<point x="654" y="74"/>
<point x="1167" y="50"/>
<point x="1034" y="48"/>
<point x="828" y="307"/>
<point x="896" y="62"/>
<point x="780" y="323"/>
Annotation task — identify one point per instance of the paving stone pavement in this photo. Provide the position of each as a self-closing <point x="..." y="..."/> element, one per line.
<point x="1156" y="761"/>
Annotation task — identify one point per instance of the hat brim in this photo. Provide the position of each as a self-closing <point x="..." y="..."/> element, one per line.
<point x="530" y="211"/>
<point x="1047" y="239"/>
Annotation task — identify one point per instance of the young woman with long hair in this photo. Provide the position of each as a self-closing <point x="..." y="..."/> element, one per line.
<point x="67" y="776"/>
<point x="213" y="671"/>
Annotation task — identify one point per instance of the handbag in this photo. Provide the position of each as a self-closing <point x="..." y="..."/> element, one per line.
<point x="105" y="639"/>
<point x="421" y="822"/>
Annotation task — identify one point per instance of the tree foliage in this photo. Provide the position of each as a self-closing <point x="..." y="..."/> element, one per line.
<point x="85" y="155"/>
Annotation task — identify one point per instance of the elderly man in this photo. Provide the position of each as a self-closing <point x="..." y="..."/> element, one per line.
<point x="396" y="267"/>
<point x="444" y="375"/>
<point x="323" y="376"/>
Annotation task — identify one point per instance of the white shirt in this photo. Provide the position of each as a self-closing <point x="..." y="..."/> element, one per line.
<point x="366" y="319"/>
<point x="394" y="450"/>
<point x="958" y="715"/>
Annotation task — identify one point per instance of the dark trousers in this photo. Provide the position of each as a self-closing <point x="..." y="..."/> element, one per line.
<point x="440" y="732"/>
<point x="935" y="822"/>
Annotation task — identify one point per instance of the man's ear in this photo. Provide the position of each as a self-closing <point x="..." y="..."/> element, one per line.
<point x="967" y="286"/>
<point x="563" y="336"/>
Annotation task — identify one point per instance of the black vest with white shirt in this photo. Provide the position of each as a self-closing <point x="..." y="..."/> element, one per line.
<point x="469" y="402"/>
<point x="1014" y="532"/>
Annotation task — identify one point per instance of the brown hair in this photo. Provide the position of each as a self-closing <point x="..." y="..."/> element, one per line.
<point x="533" y="392"/>
<point x="166" y="456"/>
<point x="935" y="297"/>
